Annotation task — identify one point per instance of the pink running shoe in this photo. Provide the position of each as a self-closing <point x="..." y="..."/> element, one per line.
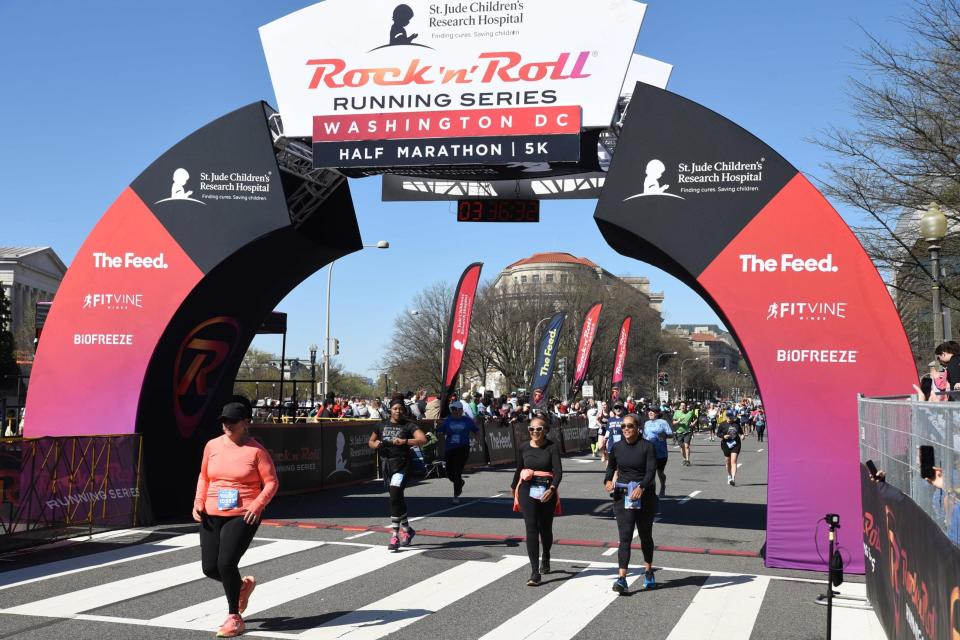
<point x="246" y="588"/>
<point x="394" y="544"/>
<point x="232" y="627"/>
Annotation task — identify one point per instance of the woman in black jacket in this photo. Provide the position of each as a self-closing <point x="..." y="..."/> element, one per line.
<point x="634" y="497"/>
<point x="534" y="487"/>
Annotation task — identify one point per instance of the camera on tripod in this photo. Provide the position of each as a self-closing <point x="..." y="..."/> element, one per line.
<point x="833" y="520"/>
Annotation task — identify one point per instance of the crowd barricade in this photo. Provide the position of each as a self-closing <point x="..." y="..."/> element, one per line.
<point x="574" y="434"/>
<point x="332" y="452"/>
<point x="55" y="488"/>
<point x="911" y="528"/>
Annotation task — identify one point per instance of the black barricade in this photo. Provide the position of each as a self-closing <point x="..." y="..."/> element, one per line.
<point x="499" y="441"/>
<point x="346" y="456"/>
<point x="912" y="568"/>
<point x="576" y="436"/>
<point x="296" y="452"/>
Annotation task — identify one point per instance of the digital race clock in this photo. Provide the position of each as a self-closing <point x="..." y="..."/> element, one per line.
<point x="498" y="211"/>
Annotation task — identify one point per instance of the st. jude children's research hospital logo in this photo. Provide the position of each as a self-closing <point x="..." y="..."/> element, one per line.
<point x="402" y="15"/>
<point x="220" y="185"/>
<point x="651" y="182"/>
<point x="700" y="178"/>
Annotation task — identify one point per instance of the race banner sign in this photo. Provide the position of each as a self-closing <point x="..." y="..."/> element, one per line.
<point x="458" y="329"/>
<point x="587" y="333"/>
<point x="448" y="124"/>
<point x="474" y="150"/>
<point x="343" y="57"/>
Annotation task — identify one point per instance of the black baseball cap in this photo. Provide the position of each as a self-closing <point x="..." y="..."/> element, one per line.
<point x="235" y="411"/>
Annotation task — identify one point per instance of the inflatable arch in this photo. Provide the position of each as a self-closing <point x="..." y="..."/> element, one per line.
<point x="161" y="302"/>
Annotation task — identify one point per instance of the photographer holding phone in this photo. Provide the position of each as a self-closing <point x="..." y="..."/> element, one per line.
<point x="535" y="483"/>
<point x="634" y="461"/>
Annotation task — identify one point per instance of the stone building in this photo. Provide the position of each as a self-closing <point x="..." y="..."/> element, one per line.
<point x="709" y="341"/>
<point x="28" y="275"/>
<point x="541" y="271"/>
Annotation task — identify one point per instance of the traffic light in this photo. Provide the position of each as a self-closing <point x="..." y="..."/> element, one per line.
<point x="336" y="346"/>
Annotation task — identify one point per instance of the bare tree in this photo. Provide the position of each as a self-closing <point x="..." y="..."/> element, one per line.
<point x="904" y="151"/>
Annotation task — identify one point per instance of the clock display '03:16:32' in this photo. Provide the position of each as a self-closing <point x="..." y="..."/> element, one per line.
<point x="498" y="211"/>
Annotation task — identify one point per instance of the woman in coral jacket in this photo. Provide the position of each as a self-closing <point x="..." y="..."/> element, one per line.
<point x="237" y="481"/>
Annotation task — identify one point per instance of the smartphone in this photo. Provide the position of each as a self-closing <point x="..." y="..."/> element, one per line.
<point x="926" y="462"/>
<point x="872" y="468"/>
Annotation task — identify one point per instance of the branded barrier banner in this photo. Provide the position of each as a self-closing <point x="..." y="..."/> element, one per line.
<point x="575" y="435"/>
<point x="296" y="452"/>
<point x="458" y="329"/>
<point x="912" y="568"/>
<point x="618" y="360"/>
<point x="546" y="358"/>
<point x="499" y="442"/>
<point x="346" y="456"/>
<point x="91" y="480"/>
<point x="587" y="333"/>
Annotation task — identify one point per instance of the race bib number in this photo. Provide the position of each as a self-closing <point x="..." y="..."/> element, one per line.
<point x="455" y="439"/>
<point x="537" y="491"/>
<point x="630" y="504"/>
<point x="228" y="499"/>
<point x="731" y="443"/>
<point x="616" y="437"/>
<point x="396" y="480"/>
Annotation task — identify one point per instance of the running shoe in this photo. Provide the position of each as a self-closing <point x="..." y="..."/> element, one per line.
<point x="663" y="492"/>
<point x="406" y="537"/>
<point x="455" y="500"/>
<point x="648" y="580"/>
<point x="394" y="544"/>
<point x="534" y="580"/>
<point x="545" y="566"/>
<point x="458" y="488"/>
<point x="620" y="585"/>
<point x="232" y="627"/>
<point x="733" y="482"/>
<point x="247" y="586"/>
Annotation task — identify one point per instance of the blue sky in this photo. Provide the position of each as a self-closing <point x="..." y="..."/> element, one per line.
<point x="93" y="92"/>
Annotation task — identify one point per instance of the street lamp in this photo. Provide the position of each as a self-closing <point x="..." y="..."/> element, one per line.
<point x="682" y="396"/>
<point x="933" y="227"/>
<point x="313" y="375"/>
<point x="656" y="379"/>
<point x="382" y="244"/>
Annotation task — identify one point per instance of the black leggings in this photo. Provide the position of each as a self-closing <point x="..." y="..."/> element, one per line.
<point x="456" y="461"/>
<point x="223" y="541"/>
<point x="398" y="503"/>
<point x="760" y="430"/>
<point x="538" y="518"/>
<point x="640" y="519"/>
<point x="661" y="472"/>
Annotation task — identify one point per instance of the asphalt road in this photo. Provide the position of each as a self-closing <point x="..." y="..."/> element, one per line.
<point x="323" y="571"/>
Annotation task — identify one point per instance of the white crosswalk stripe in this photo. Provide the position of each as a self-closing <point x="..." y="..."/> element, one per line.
<point x="406" y="607"/>
<point x="725" y="606"/>
<point x="208" y="615"/>
<point x="564" y="611"/>
<point x="61" y="568"/>
<point x="113" y="592"/>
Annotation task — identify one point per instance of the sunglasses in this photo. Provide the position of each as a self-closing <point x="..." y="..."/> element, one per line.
<point x="628" y="426"/>
<point x="534" y="429"/>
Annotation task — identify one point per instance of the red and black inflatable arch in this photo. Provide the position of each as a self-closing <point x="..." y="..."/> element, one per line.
<point x="161" y="302"/>
<point x="701" y="198"/>
<point x="153" y="318"/>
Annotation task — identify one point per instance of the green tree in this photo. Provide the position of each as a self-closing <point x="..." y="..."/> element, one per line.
<point x="9" y="370"/>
